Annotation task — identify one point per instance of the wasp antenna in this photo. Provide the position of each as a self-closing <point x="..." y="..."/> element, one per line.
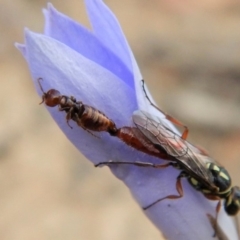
<point x="40" y="85"/>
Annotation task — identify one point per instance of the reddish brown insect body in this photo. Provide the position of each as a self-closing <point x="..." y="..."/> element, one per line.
<point x="134" y="138"/>
<point x="87" y="117"/>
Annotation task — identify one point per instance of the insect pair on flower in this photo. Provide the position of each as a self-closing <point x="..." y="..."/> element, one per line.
<point x="98" y="67"/>
<point x="152" y="137"/>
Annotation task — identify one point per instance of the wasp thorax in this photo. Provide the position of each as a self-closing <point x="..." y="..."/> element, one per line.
<point x="52" y="98"/>
<point x="232" y="203"/>
<point x="67" y="102"/>
<point x="221" y="177"/>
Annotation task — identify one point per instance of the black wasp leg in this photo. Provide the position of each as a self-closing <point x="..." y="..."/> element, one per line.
<point x="67" y="109"/>
<point x="178" y="188"/>
<point x="168" y="117"/>
<point x="139" y="164"/>
<point x="69" y="114"/>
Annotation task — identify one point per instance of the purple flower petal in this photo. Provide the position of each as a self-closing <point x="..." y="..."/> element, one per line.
<point x="77" y="37"/>
<point x="108" y="30"/>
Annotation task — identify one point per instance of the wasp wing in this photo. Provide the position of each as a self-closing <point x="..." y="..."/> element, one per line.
<point x="163" y="138"/>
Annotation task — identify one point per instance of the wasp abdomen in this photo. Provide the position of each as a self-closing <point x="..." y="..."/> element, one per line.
<point x="135" y="139"/>
<point x="95" y="120"/>
<point x="87" y="117"/>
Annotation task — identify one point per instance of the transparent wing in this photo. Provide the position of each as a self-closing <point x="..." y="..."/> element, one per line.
<point x="189" y="157"/>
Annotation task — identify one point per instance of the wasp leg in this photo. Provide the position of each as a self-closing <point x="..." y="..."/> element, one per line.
<point x="68" y="116"/>
<point x="178" y="188"/>
<point x="139" y="164"/>
<point x="202" y="150"/>
<point x="218" y="207"/>
<point x="89" y="132"/>
<point x="61" y="109"/>
<point x="168" y="117"/>
<point x="219" y="233"/>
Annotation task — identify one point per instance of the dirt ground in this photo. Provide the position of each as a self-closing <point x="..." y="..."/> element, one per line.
<point x="189" y="55"/>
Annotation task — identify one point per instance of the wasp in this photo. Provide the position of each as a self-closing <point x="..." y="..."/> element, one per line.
<point x="151" y="135"/>
<point x="87" y="117"/>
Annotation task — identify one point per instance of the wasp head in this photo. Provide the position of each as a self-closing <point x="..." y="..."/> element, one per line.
<point x="232" y="203"/>
<point x="51" y="98"/>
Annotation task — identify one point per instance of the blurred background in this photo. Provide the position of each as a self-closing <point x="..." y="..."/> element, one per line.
<point x="189" y="55"/>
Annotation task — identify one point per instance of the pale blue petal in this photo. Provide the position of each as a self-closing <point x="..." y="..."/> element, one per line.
<point x="77" y="37"/>
<point x="108" y="30"/>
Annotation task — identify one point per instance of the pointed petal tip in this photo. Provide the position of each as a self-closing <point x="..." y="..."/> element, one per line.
<point x="26" y="32"/>
<point x="47" y="10"/>
<point x="51" y="11"/>
<point x="29" y="34"/>
<point x="21" y="48"/>
<point x="50" y="6"/>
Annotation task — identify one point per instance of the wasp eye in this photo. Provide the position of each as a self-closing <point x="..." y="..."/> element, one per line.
<point x="232" y="203"/>
<point x="51" y="98"/>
